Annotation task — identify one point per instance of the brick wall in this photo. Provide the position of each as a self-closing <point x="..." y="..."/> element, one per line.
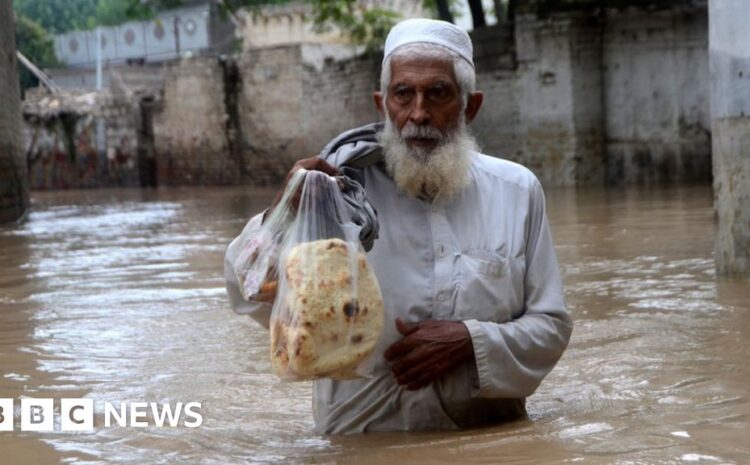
<point x="296" y="98"/>
<point x="190" y="130"/>
<point x="337" y="95"/>
<point x="270" y="106"/>
<point x="62" y="146"/>
<point x="13" y="181"/>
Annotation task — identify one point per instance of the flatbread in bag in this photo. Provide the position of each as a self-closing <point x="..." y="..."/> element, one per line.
<point x="332" y="314"/>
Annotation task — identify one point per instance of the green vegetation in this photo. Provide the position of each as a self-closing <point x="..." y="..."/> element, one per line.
<point x="57" y="16"/>
<point x="36" y="44"/>
<point x="365" y="26"/>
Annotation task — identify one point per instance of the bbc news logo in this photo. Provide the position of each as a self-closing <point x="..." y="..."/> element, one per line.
<point x="78" y="414"/>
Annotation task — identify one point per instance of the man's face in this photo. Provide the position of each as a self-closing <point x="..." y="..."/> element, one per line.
<point x="423" y="101"/>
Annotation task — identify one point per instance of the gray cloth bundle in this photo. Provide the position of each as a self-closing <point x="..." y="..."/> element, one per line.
<point x="350" y="152"/>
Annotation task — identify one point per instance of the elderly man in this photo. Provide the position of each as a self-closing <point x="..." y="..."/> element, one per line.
<point x="475" y="314"/>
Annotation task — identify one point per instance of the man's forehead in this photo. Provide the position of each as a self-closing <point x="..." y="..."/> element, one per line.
<point x="423" y="68"/>
<point x="425" y="58"/>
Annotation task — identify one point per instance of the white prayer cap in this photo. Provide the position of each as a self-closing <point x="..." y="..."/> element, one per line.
<point x="430" y="31"/>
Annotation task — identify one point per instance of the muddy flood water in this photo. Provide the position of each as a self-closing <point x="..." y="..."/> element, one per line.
<point x="118" y="295"/>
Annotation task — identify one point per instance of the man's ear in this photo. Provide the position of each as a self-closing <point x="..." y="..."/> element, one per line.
<point x="377" y="97"/>
<point x="473" y="105"/>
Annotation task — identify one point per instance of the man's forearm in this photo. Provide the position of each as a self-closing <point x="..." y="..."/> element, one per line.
<point x="429" y="350"/>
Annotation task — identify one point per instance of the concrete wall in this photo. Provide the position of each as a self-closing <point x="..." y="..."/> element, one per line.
<point x="283" y="104"/>
<point x="282" y="25"/>
<point x="545" y="100"/>
<point x="730" y="108"/>
<point x="543" y="97"/>
<point x="62" y="147"/>
<point x="537" y="110"/>
<point x="618" y="99"/>
<point x="589" y="107"/>
<point x="579" y="99"/>
<point x="337" y="95"/>
<point x="288" y="24"/>
<point x="498" y="123"/>
<point x="190" y="132"/>
<point x="147" y="76"/>
<point x="559" y="95"/>
<point x="296" y="98"/>
<point x="13" y="181"/>
<point x="271" y="109"/>
<point x="656" y="82"/>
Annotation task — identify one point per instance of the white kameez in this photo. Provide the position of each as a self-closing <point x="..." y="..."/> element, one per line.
<point x="484" y="257"/>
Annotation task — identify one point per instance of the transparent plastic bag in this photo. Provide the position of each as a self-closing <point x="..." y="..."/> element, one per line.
<point x="327" y="313"/>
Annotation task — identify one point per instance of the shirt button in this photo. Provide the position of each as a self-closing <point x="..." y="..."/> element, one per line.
<point x="442" y="296"/>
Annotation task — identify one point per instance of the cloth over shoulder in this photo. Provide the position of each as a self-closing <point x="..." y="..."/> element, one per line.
<point x="352" y="151"/>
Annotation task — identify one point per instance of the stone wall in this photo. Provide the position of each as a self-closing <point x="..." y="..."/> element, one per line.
<point x="13" y="180"/>
<point x="146" y="76"/>
<point x="580" y="99"/>
<point x="191" y="139"/>
<point x="60" y="141"/>
<point x="337" y="95"/>
<point x="271" y="109"/>
<point x="296" y="98"/>
<point x="290" y="23"/>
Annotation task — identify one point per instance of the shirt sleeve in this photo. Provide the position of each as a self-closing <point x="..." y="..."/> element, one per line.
<point x="512" y="358"/>
<point x="259" y="311"/>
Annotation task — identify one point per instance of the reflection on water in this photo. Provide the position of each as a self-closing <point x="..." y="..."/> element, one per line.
<point x="119" y="296"/>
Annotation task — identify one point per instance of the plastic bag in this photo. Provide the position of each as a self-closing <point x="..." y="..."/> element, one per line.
<point x="327" y="313"/>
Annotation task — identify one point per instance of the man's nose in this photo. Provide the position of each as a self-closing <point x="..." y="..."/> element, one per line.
<point x="420" y="114"/>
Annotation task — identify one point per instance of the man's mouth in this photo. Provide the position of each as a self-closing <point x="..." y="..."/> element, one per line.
<point x="422" y="140"/>
<point x="422" y="143"/>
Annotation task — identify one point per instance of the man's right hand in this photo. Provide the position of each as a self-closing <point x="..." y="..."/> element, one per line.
<point x="311" y="164"/>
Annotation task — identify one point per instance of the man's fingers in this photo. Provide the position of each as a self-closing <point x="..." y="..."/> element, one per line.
<point x="414" y="358"/>
<point x="324" y="166"/>
<point x="311" y="163"/>
<point x="403" y="346"/>
<point x="406" y="344"/>
<point x="398" y="349"/>
<point x="406" y="328"/>
<point x="316" y="164"/>
<point x="417" y="374"/>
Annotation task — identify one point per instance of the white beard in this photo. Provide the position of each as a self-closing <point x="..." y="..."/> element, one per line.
<point x="420" y="173"/>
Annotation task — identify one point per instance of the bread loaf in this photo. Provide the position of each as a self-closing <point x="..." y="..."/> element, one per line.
<point x="331" y="315"/>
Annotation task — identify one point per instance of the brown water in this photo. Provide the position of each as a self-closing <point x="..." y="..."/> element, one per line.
<point x="119" y="296"/>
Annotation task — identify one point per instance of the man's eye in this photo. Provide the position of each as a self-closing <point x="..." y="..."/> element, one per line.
<point x="402" y="93"/>
<point x="439" y="92"/>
